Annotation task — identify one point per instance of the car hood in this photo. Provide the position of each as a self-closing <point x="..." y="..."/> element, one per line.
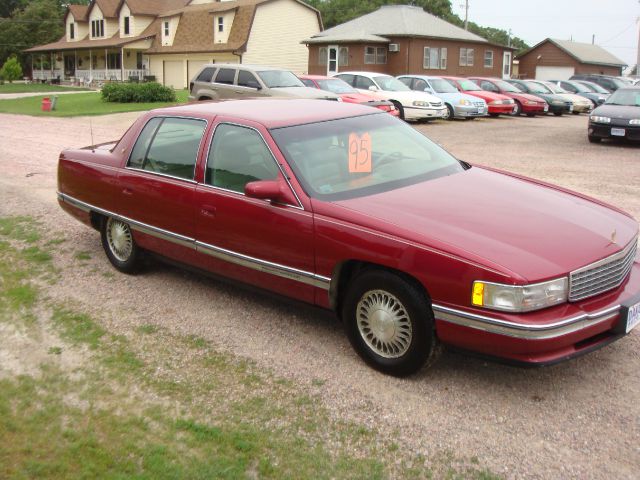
<point x="577" y="99"/>
<point x="487" y="96"/>
<point x="303" y="92"/>
<point x="410" y="96"/>
<point x="617" y="111"/>
<point x="530" y="231"/>
<point x="358" y="97"/>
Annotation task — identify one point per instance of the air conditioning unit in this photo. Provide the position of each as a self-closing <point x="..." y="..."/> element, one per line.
<point x="394" y="47"/>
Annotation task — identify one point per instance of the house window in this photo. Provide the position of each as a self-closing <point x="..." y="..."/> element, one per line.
<point x="466" y="57"/>
<point x="435" y="58"/>
<point x="166" y="29"/>
<point x="97" y="28"/>
<point x="220" y="24"/>
<point x="373" y="55"/>
<point x="72" y="31"/>
<point x="488" y="59"/>
<point x="126" y="26"/>
<point x="323" y="56"/>
<point x="113" y="61"/>
<point x="343" y="57"/>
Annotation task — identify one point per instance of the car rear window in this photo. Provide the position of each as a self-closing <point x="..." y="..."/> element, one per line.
<point x="206" y="75"/>
<point x="226" y="75"/>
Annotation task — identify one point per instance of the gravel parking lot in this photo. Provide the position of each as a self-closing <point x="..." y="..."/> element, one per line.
<point x="579" y="419"/>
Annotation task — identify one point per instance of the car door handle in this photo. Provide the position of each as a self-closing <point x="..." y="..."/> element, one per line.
<point x="128" y="192"/>
<point x="240" y="91"/>
<point x="208" y="211"/>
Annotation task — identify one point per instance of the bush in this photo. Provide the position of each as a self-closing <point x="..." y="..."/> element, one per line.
<point x="11" y="70"/>
<point x="137" y="93"/>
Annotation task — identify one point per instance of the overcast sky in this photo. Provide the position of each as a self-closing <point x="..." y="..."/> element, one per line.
<point x="614" y="22"/>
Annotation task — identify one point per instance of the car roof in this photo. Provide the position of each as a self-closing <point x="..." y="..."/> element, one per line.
<point x="244" y="66"/>
<point x="271" y="112"/>
<point x="365" y="74"/>
<point x="315" y="77"/>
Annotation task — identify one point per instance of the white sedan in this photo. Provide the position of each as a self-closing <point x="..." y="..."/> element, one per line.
<point x="411" y="104"/>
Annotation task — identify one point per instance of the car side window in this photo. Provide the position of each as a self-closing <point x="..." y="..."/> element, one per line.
<point x="170" y="146"/>
<point x="206" y="75"/>
<point x="347" y="78"/>
<point x="420" y="85"/>
<point x="308" y="83"/>
<point x="247" y="79"/>
<point x="363" y="83"/>
<point x="226" y="75"/>
<point x="488" y="86"/>
<point x="406" y="81"/>
<point x="238" y="155"/>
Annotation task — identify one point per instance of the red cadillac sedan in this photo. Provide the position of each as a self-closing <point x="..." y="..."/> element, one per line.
<point x="350" y="209"/>
<point x="498" y="104"/>
<point x="349" y="94"/>
<point x="526" y="103"/>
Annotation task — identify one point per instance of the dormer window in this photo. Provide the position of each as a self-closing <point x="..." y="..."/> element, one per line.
<point x="97" y="28"/>
<point x="125" y="25"/>
<point x="221" y="24"/>
<point x="166" y="29"/>
<point x="72" y="31"/>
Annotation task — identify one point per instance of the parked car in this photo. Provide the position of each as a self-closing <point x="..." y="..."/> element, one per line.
<point x="578" y="88"/>
<point x="459" y="105"/>
<point x="411" y="105"/>
<point x="557" y="104"/>
<point x="594" y="87"/>
<point x="526" y="103"/>
<point x="608" y="82"/>
<point x="618" y="117"/>
<point x="348" y="208"/>
<point x="220" y="81"/>
<point x="580" y="104"/>
<point x="498" y="104"/>
<point x="349" y="94"/>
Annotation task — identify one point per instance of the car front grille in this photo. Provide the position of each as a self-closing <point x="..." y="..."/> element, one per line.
<point x="601" y="276"/>
<point x="436" y="104"/>
<point x="478" y="104"/>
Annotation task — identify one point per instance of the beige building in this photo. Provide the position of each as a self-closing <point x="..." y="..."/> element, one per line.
<point x="169" y="40"/>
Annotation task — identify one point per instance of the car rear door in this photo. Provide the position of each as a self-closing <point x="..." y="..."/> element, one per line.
<point x="268" y="244"/>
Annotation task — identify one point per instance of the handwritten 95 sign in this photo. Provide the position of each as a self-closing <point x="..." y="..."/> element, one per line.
<point x="359" y="153"/>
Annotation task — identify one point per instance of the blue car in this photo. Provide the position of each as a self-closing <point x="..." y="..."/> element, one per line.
<point x="459" y="105"/>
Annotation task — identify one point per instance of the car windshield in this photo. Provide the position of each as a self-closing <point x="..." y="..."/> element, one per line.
<point x="359" y="156"/>
<point x="595" y="87"/>
<point x="520" y="87"/>
<point x="555" y="88"/>
<point x="336" y="85"/>
<point x="623" y="96"/>
<point x="391" y="84"/>
<point x="537" y="87"/>
<point x="468" y="86"/>
<point x="580" y="87"/>
<point x="442" y="86"/>
<point x="279" y="79"/>
<point x="507" y="87"/>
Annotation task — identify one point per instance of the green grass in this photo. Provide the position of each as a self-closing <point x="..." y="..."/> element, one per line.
<point x="144" y="403"/>
<point x="36" y="87"/>
<point x="80" y="104"/>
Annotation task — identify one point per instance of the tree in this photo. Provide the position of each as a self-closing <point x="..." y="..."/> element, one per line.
<point x="11" y="70"/>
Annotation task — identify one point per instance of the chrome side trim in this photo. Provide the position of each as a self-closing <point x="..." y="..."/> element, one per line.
<point x="521" y="330"/>
<point x="230" y="256"/>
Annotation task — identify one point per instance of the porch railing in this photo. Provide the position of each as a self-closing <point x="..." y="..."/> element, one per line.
<point x="47" y="74"/>
<point x="103" y="75"/>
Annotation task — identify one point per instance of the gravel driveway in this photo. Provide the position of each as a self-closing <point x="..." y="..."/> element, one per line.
<point x="579" y="419"/>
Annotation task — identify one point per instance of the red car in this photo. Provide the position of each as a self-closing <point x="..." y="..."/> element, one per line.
<point x="526" y="103"/>
<point x="498" y="104"/>
<point x="349" y="94"/>
<point x="350" y="209"/>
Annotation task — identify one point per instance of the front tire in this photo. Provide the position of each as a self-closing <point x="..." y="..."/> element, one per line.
<point x="450" y="113"/>
<point x="399" y="108"/>
<point x="119" y="245"/>
<point x="390" y="323"/>
<point x="517" y="110"/>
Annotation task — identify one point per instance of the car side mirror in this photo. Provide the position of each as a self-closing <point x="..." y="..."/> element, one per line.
<point x="373" y="88"/>
<point x="428" y="90"/>
<point x="269" y="190"/>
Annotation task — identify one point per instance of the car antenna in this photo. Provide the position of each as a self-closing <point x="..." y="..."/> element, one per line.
<point x="91" y="130"/>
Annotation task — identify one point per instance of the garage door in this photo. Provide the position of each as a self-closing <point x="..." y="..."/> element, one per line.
<point x="554" y="73"/>
<point x="173" y="74"/>
<point x="194" y="66"/>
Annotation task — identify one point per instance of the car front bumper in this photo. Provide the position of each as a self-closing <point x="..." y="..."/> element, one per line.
<point x="538" y="109"/>
<point x="503" y="109"/>
<point x="600" y="130"/>
<point x="421" y="113"/>
<point x="545" y="336"/>
<point x="467" y="111"/>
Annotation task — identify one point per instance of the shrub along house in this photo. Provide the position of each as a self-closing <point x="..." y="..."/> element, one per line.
<point x="554" y="59"/>
<point x="171" y="39"/>
<point x="402" y="39"/>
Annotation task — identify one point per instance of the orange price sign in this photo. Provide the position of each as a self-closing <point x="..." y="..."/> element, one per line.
<point x="359" y="153"/>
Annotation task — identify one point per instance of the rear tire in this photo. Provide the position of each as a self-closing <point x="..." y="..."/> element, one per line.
<point x="119" y="245"/>
<point x="390" y="323"/>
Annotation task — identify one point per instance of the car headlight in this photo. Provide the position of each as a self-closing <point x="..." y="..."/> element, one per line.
<point x="598" y="119"/>
<point x="520" y="298"/>
<point x="496" y="102"/>
<point x="529" y="102"/>
<point x="464" y="101"/>
<point x="635" y="121"/>
<point x="508" y="102"/>
<point x="420" y="103"/>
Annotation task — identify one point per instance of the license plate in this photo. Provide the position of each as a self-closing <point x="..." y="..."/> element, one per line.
<point x="633" y="317"/>
<point x="618" y="132"/>
<point x="546" y="108"/>
<point x="571" y="108"/>
<point x="481" y="110"/>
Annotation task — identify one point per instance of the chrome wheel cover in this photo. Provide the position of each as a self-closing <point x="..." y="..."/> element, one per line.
<point x="447" y="115"/>
<point x="384" y="324"/>
<point x="119" y="239"/>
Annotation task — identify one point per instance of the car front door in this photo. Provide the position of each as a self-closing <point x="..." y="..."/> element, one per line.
<point x="269" y="244"/>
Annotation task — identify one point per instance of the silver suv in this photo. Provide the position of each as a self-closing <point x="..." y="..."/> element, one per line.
<point x="221" y="81"/>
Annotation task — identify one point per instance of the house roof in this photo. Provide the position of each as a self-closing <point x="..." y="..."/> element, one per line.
<point x="79" y="12"/>
<point x="152" y="7"/>
<point x="582" y="52"/>
<point x="109" y="8"/>
<point x="394" y="21"/>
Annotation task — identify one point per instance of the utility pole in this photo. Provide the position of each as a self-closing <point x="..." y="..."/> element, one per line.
<point x="466" y="14"/>
<point x="638" y="58"/>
